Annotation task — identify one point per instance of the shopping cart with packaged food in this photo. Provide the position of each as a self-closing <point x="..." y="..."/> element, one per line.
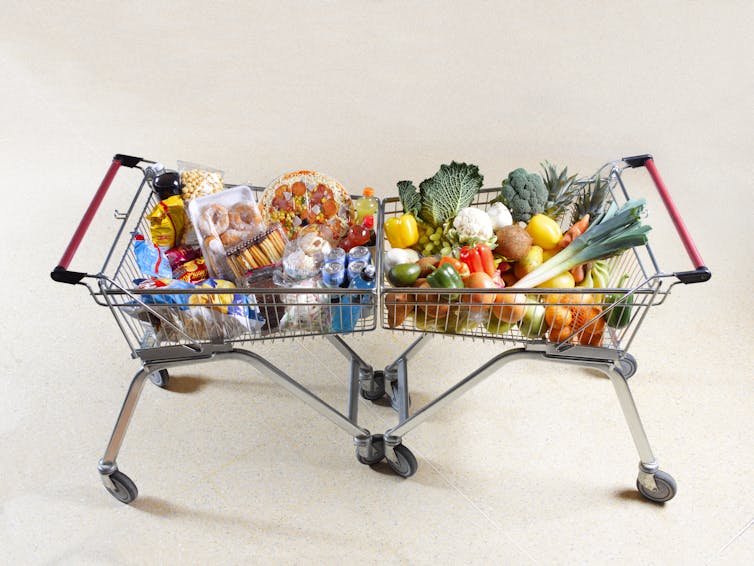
<point x="170" y="323"/>
<point x="592" y="326"/>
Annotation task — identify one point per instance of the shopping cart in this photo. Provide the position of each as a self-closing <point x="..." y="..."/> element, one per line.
<point x="636" y="283"/>
<point x="166" y="329"/>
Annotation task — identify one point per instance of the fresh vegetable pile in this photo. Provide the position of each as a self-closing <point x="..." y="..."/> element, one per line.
<point x="541" y="232"/>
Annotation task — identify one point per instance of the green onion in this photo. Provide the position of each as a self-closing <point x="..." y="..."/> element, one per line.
<point x="613" y="232"/>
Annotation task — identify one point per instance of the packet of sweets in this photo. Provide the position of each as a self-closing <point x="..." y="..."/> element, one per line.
<point x="167" y="222"/>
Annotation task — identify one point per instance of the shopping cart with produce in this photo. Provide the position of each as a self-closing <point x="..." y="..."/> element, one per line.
<point x="568" y="278"/>
<point x="245" y="279"/>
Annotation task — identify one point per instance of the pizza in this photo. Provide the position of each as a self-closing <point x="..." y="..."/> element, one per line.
<point x="300" y="198"/>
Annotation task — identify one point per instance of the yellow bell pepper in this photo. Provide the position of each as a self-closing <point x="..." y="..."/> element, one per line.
<point x="402" y="231"/>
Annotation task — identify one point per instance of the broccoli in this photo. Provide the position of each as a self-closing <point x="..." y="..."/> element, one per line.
<point x="524" y="194"/>
<point x="440" y="197"/>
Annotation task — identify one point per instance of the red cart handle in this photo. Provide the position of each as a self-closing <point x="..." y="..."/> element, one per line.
<point x="701" y="272"/>
<point x="61" y="273"/>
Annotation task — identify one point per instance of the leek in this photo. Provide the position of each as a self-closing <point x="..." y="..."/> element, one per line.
<point x="615" y="231"/>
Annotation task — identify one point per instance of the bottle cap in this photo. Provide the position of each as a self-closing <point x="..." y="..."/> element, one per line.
<point x="368" y="273"/>
<point x="368" y="192"/>
<point x="368" y="222"/>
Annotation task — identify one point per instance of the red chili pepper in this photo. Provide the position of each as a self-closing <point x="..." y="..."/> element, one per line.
<point x="485" y="255"/>
<point x="478" y="258"/>
<point x="470" y="257"/>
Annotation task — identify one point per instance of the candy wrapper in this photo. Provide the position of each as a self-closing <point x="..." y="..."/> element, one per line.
<point x="167" y="222"/>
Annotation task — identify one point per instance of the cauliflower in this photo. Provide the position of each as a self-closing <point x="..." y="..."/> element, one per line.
<point x="500" y="215"/>
<point x="524" y="194"/>
<point x="473" y="225"/>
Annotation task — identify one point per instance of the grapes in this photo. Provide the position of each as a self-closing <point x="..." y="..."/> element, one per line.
<point x="433" y="240"/>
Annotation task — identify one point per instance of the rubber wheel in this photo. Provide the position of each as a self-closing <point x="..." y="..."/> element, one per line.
<point x="378" y="443"/>
<point x="160" y="378"/>
<point x="407" y="465"/>
<point x="124" y="490"/>
<point x="379" y="391"/>
<point x="666" y="488"/>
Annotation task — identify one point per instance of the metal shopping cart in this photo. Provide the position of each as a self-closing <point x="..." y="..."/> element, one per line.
<point x="602" y="324"/>
<point x="169" y="328"/>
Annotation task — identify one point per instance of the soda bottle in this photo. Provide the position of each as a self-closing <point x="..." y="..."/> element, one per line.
<point x="367" y="205"/>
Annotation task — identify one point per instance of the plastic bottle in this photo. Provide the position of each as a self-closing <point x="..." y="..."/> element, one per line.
<point x="367" y="205"/>
<point x="347" y="309"/>
<point x="365" y="280"/>
<point x="357" y="235"/>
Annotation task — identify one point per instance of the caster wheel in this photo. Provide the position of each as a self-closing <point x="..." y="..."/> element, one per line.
<point x="666" y="488"/>
<point x="160" y="378"/>
<point x="406" y="465"/>
<point x="378" y="387"/>
<point x="122" y="489"/>
<point x="626" y="366"/>
<point x="378" y="446"/>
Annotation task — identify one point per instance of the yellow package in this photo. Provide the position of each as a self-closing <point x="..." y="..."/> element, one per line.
<point x="226" y="304"/>
<point x="167" y="222"/>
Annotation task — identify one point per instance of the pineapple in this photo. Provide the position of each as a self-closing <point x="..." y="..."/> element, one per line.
<point x="560" y="190"/>
<point x="592" y="199"/>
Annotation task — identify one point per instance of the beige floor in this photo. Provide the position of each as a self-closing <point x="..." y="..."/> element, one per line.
<point x="535" y="465"/>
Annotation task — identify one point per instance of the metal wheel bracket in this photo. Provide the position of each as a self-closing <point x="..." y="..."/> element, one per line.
<point x="371" y="383"/>
<point x="647" y="475"/>
<point x="390" y="443"/>
<point x="367" y="450"/>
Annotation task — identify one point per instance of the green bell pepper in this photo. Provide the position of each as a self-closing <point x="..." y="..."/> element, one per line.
<point x="445" y="277"/>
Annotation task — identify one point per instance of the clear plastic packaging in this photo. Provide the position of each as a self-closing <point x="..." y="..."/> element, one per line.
<point x="199" y="180"/>
<point x="221" y="222"/>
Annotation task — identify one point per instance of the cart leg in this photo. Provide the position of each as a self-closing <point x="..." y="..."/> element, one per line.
<point x="117" y="483"/>
<point x="396" y="375"/>
<point x="653" y="483"/>
<point x="371" y="383"/>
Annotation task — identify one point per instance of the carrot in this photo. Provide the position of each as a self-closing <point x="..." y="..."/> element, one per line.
<point x="574" y="231"/>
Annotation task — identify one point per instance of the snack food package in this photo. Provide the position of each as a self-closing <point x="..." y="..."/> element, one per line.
<point x="306" y="312"/>
<point x="181" y="254"/>
<point x="270" y="304"/>
<point x="199" y="180"/>
<point x="150" y="259"/>
<point x="193" y="271"/>
<point x="266" y="249"/>
<point x="167" y="222"/>
<point x="223" y="220"/>
<point x="180" y="317"/>
<point x="304" y="256"/>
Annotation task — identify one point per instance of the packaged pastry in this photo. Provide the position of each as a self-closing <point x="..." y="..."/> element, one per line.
<point x="223" y="221"/>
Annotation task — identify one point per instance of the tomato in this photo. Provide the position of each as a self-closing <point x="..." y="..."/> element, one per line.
<point x="545" y="232"/>
<point x="479" y="302"/>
